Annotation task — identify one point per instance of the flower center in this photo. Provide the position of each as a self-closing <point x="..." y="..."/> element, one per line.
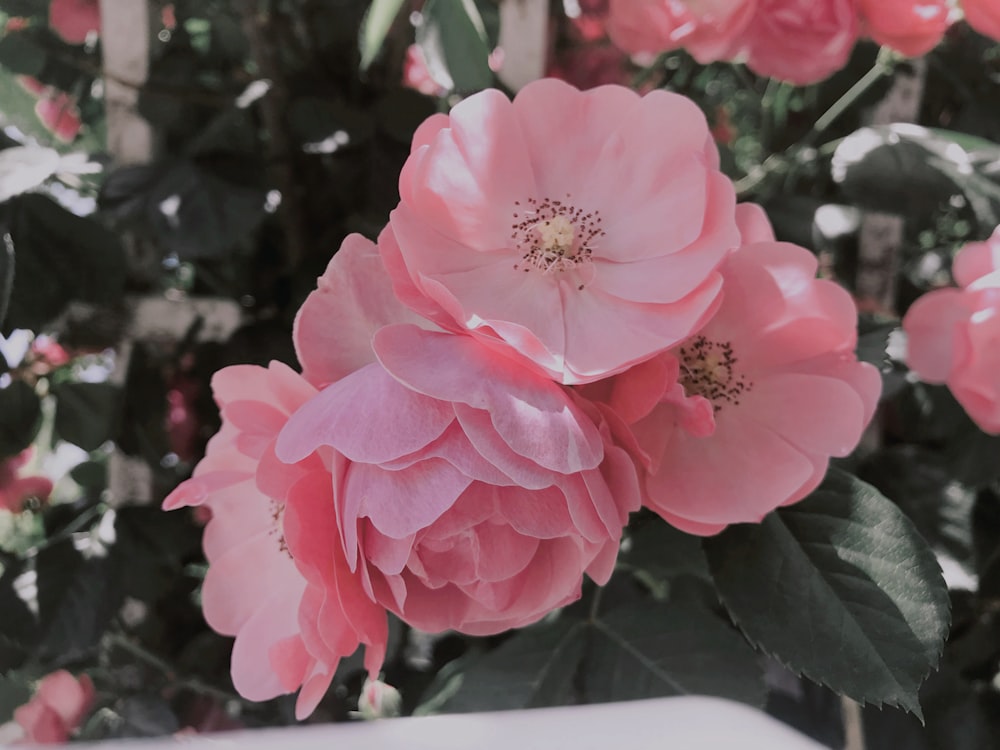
<point x="708" y="369"/>
<point x="553" y="235"/>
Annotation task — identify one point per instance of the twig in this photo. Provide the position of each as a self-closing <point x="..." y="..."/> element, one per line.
<point x="273" y="107"/>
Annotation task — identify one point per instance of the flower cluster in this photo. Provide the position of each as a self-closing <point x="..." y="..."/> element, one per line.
<point x="567" y="317"/>
<point x="953" y="335"/>
<point x="801" y="41"/>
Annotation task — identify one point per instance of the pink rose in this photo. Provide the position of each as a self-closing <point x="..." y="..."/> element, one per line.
<point x="912" y="27"/>
<point x="59" y="114"/>
<point x="468" y="492"/>
<point x="563" y="228"/>
<point x="416" y="76"/>
<point x="708" y="29"/>
<point x="15" y="490"/>
<point x="983" y="16"/>
<point x="743" y="417"/>
<point x="57" y="708"/>
<point x="75" y="20"/>
<point x="801" y="41"/>
<point x="953" y="335"/>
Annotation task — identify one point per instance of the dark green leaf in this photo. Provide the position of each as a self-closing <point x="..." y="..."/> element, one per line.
<point x="535" y="667"/>
<point x="20" y="417"/>
<point x="651" y="650"/>
<point x="25" y="7"/>
<point x="6" y="273"/>
<point x="77" y="596"/>
<point x="60" y="258"/>
<point x="14" y="691"/>
<point x="375" y="27"/>
<point x="658" y="548"/>
<point x="21" y="53"/>
<point x="452" y="37"/>
<point x="840" y="588"/>
<point x="87" y="413"/>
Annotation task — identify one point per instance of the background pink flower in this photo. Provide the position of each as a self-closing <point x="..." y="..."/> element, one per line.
<point x="800" y="41"/>
<point x="983" y="16"/>
<point x="470" y="493"/>
<point x="75" y="20"/>
<point x="913" y="27"/>
<point x="564" y="227"/>
<point x="57" y="708"/>
<point x="743" y="416"/>
<point x="15" y="490"/>
<point x="708" y="29"/>
<point x="953" y="335"/>
<point x="59" y="114"/>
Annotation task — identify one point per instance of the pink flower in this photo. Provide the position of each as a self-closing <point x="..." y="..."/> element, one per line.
<point x="953" y="335"/>
<point x="983" y="16"/>
<point x="57" y="708"/>
<point x="913" y="27"/>
<point x="59" y="114"/>
<point x="16" y="490"/>
<point x="254" y="589"/>
<point x="708" y="29"/>
<point x="265" y="585"/>
<point x="563" y="228"/>
<point x="416" y="76"/>
<point x="743" y="417"/>
<point x="800" y="41"/>
<point x="75" y="20"/>
<point x="469" y="493"/>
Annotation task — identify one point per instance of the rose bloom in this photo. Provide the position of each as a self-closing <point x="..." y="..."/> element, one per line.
<point x="953" y="335"/>
<point x="564" y="228"/>
<point x="743" y="416"/>
<point x="75" y="20"/>
<point x="57" y="708"/>
<point x="912" y="27"/>
<point x="15" y="490"/>
<point x="708" y="29"/>
<point x="468" y="492"/>
<point x="983" y="16"/>
<point x="259" y="587"/>
<point x="800" y="41"/>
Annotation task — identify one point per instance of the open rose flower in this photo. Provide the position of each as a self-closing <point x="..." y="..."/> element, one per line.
<point x="983" y="16"/>
<point x="16" y="490"/>
<point x="708" y="29"/>
<point x="469" y="493"/>
<point x="913" y="27"/>
<point x="743" y="417"/>
<point x="57" y="708"/>
<point x="579" y="232"/>
<point x="260" y="586"/>
<point x="75" y="20"/>
<point x="800" y="41"/>
<point x="953" y="335"/>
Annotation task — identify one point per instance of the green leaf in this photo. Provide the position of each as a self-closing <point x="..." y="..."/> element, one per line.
<point x="14" y="691"/>
<point x="840" y="588"/>
<point x="6" y="273"/>
<point x="375" y="28"/>
<point x="534" y="667"/>
<point x="21" y="53"/>
<point x="659" y="549"/>
<point x="650" y="650"/>
<point x="20" y="417"/>
<point x="60" y="258"/>
<point x="24" y="8"/>
<point x="86" y="413"/>
<point x="453" y="39"/>
<point x="912" y="171"/>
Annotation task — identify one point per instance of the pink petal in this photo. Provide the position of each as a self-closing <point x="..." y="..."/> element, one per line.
<point x="931" y="328"/>
<point x="754" y="224"/>
<point x="532" y="415"/>
<point x="366" y="416"/>
<point x="353" y="299"/>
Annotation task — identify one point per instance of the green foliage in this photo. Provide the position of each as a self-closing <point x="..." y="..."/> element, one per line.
<point x="454" y="41"/>
<point x="20" y="417"/>
<point x="840" y="588"/>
